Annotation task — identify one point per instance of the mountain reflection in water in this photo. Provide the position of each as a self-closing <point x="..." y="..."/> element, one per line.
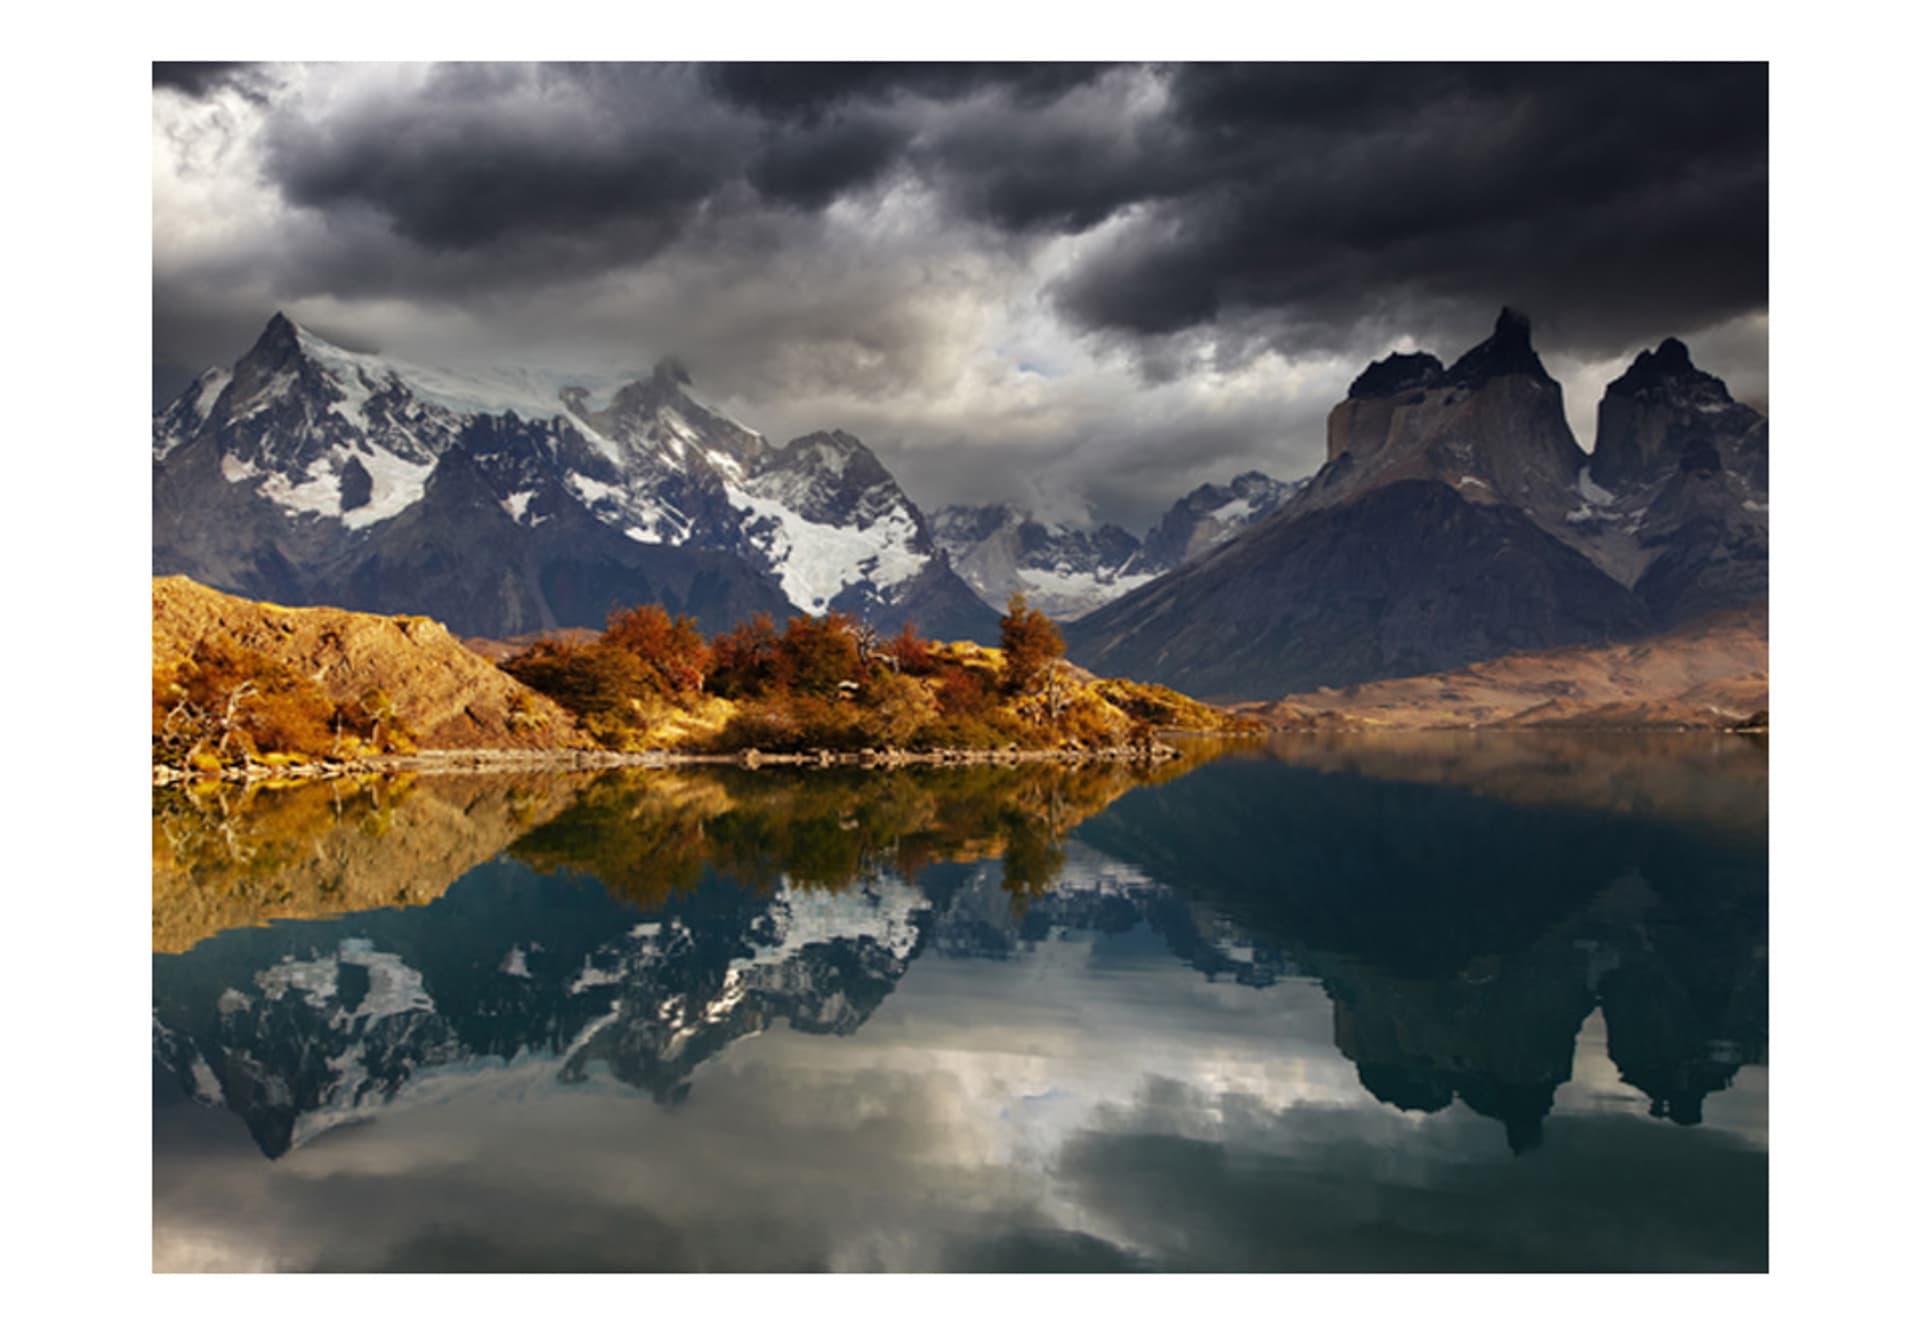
<point x="1262" y="1010"/>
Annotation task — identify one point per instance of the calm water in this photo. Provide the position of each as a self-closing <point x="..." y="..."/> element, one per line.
<point x="1447" y="1003"/>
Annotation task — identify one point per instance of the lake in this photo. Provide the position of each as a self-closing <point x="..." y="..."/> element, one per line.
<point x="1427" y="1002"/>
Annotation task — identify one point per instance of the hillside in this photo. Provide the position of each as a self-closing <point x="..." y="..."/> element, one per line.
<point x="1710" y="673"/>
<point x="240" y="684"/>
<point x="405" y="673"/>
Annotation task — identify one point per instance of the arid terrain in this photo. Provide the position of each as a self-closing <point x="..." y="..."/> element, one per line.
<point x="1710" y="674"/>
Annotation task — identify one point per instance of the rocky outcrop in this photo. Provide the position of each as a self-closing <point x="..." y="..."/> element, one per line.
<point x="444" y="694"/>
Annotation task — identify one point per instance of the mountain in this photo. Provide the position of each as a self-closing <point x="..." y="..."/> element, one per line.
<point x="1456" y="519"/>
<point x="308" y="472"/>
<point x="1067" y="571"/>
<point x="1001" y="550"/>
<point x="1679" y="477"/>
<point x="1208" y="515"/>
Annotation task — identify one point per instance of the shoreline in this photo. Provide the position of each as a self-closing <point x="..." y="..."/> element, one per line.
<point x="441" y="762"/>
<point x="590" y="761"/>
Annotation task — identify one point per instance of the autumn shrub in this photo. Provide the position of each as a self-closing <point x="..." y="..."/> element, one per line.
<point x="1031" y="643"/>
<point x="668" y="647"/>
<point x="225" y="703"/>
<point x="624" y="683"/>
<point x="822" y="654"/>
<point x="786" y="722"/>
<point x="746" y="660"/>
<point x="895" y="708"/>
<point x="910" y="653"/>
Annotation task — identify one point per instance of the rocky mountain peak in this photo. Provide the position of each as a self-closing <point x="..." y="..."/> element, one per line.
<point x="1395" y="373"/>
<point x="1508" y="351"/>
<point x="1661" y="370"/>
<point x="1664" y="413"/>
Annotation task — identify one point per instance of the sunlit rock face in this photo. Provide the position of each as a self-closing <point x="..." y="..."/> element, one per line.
<point x="515" y="502"/>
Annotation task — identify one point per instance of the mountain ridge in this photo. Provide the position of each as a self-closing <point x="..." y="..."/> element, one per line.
<point x="278" y="476"/>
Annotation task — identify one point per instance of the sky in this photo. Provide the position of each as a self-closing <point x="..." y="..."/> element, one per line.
<point x="1082" y="288"/>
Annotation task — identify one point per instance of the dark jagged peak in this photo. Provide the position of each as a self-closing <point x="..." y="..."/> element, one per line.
<point x="1668" y="361"/>
<point x="278" y="344"/>
<point x="279" y="331"/>
<point x="837" y="454"/>
<point x="1669" y="370"/>
<point x="1509" y="351"/>
<point x="1665" y="414"/>
<point x="1395" y="373"/>
<point x="672" y="371"/>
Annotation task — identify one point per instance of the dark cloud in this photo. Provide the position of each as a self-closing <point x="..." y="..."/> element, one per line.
<point x="813" y="167"/>
<point x="1614" y="200"/>
<point x="880" y="246"/>
<point x="810" y="88"/>
<point x="204" y="78"/>
<point x="484" y="154"/>
<point x="195" y="78"/>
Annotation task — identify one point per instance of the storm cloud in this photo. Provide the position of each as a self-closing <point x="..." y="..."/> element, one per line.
<point x="1111" y="282"/>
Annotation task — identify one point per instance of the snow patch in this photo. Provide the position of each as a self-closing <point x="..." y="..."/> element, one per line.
<point x="1591" y="491"/>
<point x="1062" y="590"/>
<point x="211" y="385"/>
<point x="816" y="562"/>
<point x="397" y="484"/>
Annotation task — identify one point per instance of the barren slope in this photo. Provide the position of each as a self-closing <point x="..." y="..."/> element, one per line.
<point x="446" y="695"/>
<point x="1712" y="673"/>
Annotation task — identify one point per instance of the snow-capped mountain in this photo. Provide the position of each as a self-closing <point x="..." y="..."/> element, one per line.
<point x="512" y="502"/>
<point x="1067" y="571"/>
<point x="1208" y="515"/>
<point x="1001" y="550"/>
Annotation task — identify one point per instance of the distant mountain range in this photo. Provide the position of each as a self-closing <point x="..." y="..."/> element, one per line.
<point x="1456" y="520"/>
<point x="512" y="503"/>
<point x="1067" y="571"/>
<point x="308" y="473"/>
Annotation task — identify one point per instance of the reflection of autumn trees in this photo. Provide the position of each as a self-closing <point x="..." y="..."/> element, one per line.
<point x="225" y="855"/>
<point x="649" y="836"/>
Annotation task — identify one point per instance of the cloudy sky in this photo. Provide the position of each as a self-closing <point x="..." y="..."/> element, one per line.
<point x="1086" y="288"/>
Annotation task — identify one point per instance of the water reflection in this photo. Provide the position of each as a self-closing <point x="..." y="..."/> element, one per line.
<point x="1263" y="1014"/>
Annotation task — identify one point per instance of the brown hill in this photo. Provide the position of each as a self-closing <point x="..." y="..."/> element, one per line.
<point x="1709" y="674"/>
<point x="445" y="695"/>
<point x="494" y="650"/>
